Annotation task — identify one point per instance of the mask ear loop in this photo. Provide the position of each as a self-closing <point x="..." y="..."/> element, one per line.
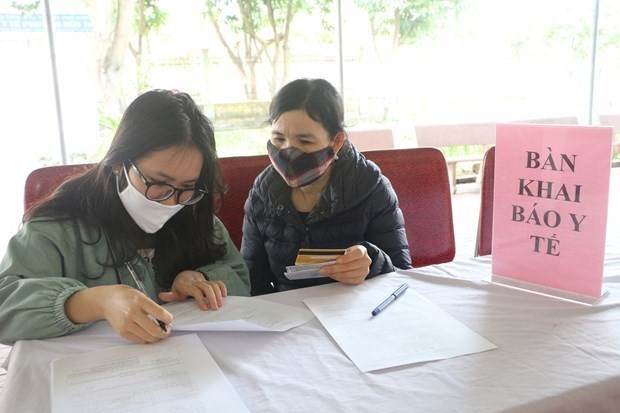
<point x="344" y="142"/>
<point x="119" y="176"/>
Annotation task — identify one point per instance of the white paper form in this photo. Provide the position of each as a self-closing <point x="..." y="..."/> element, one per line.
<point x="174" y="375"/>
<point x="410" y="330"/>
<point x="238" y="314"/>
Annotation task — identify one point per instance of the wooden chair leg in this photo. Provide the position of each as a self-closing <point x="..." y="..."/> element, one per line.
<point x="452" y="176"/>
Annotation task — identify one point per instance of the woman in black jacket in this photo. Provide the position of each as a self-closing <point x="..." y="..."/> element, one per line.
<point x="319" y="192"/>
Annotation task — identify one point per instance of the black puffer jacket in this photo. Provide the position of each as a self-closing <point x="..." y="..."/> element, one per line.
<point x="358" y="206"/>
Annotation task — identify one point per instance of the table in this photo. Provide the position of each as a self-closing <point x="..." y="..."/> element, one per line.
<point x="552" y="355"/>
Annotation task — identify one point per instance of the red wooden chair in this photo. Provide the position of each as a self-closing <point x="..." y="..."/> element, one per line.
<point x="484" y="237"/>
<point x="420" y="178"/>
<point x="239" y="173"/>
<point x="371" y="138"/>
<point x="43" y="181"/>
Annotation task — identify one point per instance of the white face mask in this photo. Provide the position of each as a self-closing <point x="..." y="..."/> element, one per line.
<point x="148" y="215"/>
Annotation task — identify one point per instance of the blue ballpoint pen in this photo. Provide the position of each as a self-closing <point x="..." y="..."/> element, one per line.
<point x="142" y="288"/>
<point x="390" y="299"/>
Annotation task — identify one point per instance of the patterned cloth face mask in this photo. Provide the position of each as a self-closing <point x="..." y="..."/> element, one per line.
<point x="299" y="168"/>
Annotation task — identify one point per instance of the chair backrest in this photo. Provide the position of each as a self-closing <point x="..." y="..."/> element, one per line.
<point x="420" y="178"/>
<point x="481" y="133"/>
<point x="43" y="181"/>
<point x="371" y="138"/>
<point x="560" y="120"/>
<point x="239" y="173"/>
<point x="484" y="237"/>
<point x="462" y="134"/>
<point x="610" y="120"/>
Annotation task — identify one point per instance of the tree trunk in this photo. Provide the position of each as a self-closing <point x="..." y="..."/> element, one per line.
<point x="110" y="55"/>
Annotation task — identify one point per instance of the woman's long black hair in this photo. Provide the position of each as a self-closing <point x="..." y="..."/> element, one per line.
<point x="156" y="120"/>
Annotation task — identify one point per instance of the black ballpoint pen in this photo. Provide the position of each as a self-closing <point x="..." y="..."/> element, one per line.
<point x="390" y="299"/>
<point x="142" y="288"/>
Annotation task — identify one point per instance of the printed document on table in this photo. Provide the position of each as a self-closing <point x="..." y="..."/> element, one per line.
<point x="173" y="375"/>
<point x="238" y="314"/>
<point x="410" y="330"/>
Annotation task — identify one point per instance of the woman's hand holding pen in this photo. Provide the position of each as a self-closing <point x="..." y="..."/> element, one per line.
<point x="208" y="294"/>
<point x="125" y="308"/>
<point x="128" y="310"/>
<point x="350" y="268"/>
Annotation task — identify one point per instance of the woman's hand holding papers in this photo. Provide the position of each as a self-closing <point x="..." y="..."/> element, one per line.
<point x="208" y="294"/>
<point x="350" y="268"/>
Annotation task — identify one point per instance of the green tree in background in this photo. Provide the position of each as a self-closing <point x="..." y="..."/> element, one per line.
<point x="256" y="35"/>
<point x="401" y="22"/>
<point x="148" y="18"/>
<point x="112" y="30"/>
<point x="119" y="27"/>
<point x="404" y="21"/>
<point x="115" y="24"/>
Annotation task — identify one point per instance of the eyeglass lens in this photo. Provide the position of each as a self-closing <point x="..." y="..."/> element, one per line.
<point x="161" y="192"/>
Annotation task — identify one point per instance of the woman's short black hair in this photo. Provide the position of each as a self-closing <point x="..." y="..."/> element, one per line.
<point x="317" y="97"/>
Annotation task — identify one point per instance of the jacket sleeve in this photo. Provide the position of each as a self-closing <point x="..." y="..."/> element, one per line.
<point x="254" y="253"/>
<point x="231" y="269"/>
<point x="33" y="286"/>
<point x="386" y="239"/>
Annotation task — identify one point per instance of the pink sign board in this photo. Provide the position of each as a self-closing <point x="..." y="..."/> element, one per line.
<point x="550" y="208"/>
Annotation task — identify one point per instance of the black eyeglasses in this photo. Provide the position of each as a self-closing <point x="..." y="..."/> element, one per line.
<point x="160" y="191"/>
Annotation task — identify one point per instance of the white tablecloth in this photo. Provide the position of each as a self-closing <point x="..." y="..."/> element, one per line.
<point x="552" y="355"/>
